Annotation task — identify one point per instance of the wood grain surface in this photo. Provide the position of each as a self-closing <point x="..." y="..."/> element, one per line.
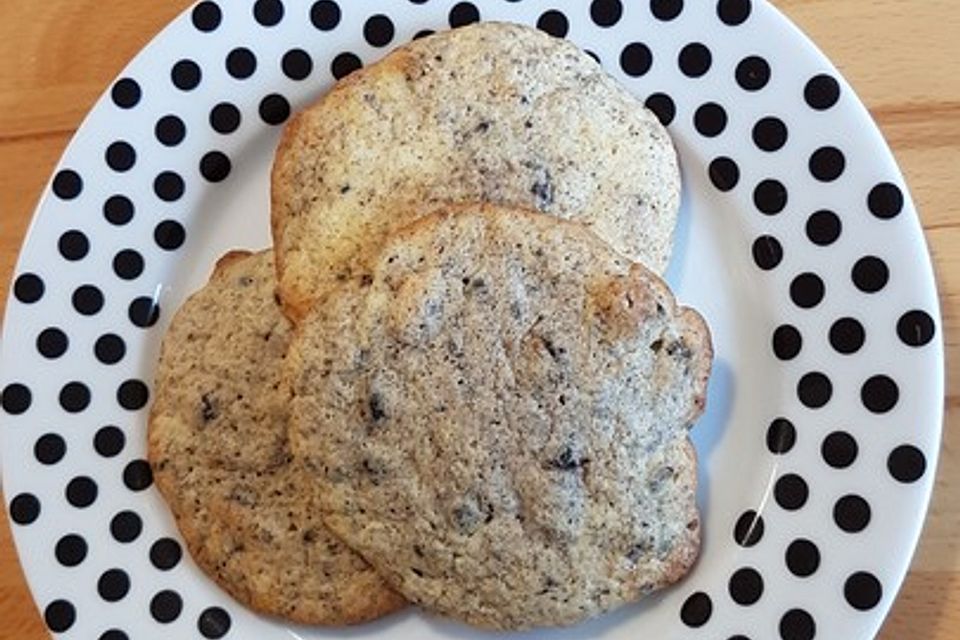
<point x="58" y="56"/>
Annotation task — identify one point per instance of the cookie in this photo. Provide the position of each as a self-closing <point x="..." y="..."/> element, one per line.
<point x="490" y="112"/>
<point x="498" y="419"/>
<point x="220" y="456"/>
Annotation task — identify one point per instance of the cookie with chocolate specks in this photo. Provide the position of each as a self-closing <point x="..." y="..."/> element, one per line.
<point x="490" y="112"/>
<point x="220" y="456"/>
<point x="497" y="420"/>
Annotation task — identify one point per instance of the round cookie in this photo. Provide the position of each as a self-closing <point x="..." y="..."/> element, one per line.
<point x="220" y="456"/>
<point x="498" y="420"/>
<point x="490" y="112"/>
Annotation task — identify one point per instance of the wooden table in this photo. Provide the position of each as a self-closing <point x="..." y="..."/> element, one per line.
<point x="57" y="56"/>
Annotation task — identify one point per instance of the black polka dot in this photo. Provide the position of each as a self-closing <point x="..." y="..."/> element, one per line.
<point x="851" y="513"/>
<point x="770" y="134"/>
<point x="274" y="109"/>
<point x="126" y="526"/>
<point x="593" y="55"/>
<point x="738" y="637"/>
<point x="748" y="530"/>
<point x="81" y="492"/>
<point x="752" y="73"/>
<point x="137" y="475"/>
<point x="24" y="508"/>
<point x="344" y="64"/>
<point x="71" y="550"/>
<point x="128" y="264"/>
<point x="606" y="13"/>
<point x="215" y="166"/>
<point x="907" y="464"/>
<point x="724" y="173"/>
<point x="87" y="300"/>
<point x="462" y="14"/>
<point x="885" y="201"/>
<point x="214" y="623"/>
<point x="268" y="12"/>
<point x="109" y="348"/>
<point x="73" y="245"/>
<point x="827" y="164"/>
<point x="67" y="184"/>
<point x="791" y="492"/>
<point x="870" y="274"/>
<point x="133" y="395"/>
<point x="114" y="634"/>
<point x="206" y="16"/>
<point x="839" y="450"/>
<point x="916" y="328"/>
<point x="52" y="343"/>
<point x="165" y="606"/>
<point x="16" y="398"/>
<point x="378" y="30"/>
<point x="74" y="397"/>
<point x="823" y="227"/>
<point x="118" y="210"/>
<point x="666" y="9"/>
<point x="636" y="59"/>
<point x="767" y="252"/>
<point x="144" y="312"/>
<point x="186" y="75"/>
<point x="781" y="436"/>
<point x="879" y="394"/>
<point x="169" y="235"/>
<point x="120" y="156"/>
<point x="296" y="64"/>
<point x="733" y="12"/>
<point x="847" y="335"/>
<point x="325" y="15"/>
<point x="170" y="130"/>
<point x="109" y="441"/>
<point x="814" y="390"/>
<point x="807" y="290"/>
<point x="126" y="93"/>
<point x="225" y="118"/>
<point x="797" y="624"/>
<point x="554" y="23"/>
<point x="695" y="60"/>
<point x="165" y="554"/>
<point x="113" y="585"/>
<point x="787" y="342"/>
<point x="169" y="186"/>
<point x="821" y="92"/>
<point x="662" y="106"/>
<point x="49" y="448"/>
<point x="803" y="558"/>
<point x="710" y="119"/>
<point x="746" y="586"/>
<point x="59" y="616"/>
<point x="28" y="288"/>
<point x="862" y="591"/>
<point x="241" y="63"/>
<point x="770" y="197"/>
<point x="696" y="610"/>
<point x="423" y="33"/>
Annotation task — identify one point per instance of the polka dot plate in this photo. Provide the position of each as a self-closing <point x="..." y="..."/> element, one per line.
<point x="798" y="242"/>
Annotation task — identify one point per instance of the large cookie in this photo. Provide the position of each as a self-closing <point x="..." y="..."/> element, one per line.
<point x="490" y="112"/>
<point x="498" y="421"/>
<point x="220" y="455"/>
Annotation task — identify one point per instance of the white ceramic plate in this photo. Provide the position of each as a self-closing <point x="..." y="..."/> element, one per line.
<point x="798" y="242"/>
